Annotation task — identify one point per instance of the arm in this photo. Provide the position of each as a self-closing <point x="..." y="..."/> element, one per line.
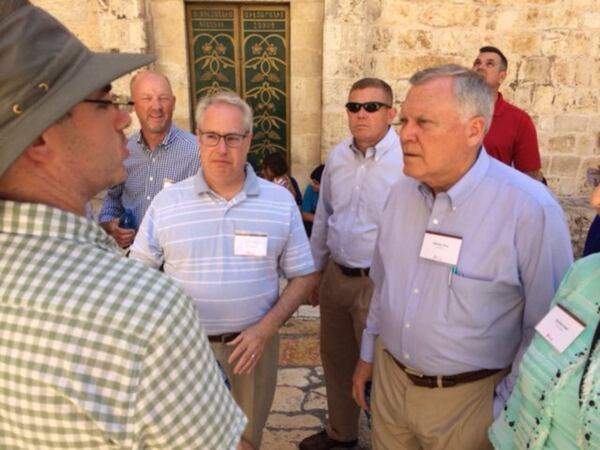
<point x="112" y="209"/>
<point x="318" y="237"/>
<point x="544" y="255"/>
<point x="250" y="344"/>
<point x="526" y="156"/>
<point x="146" y="247"/>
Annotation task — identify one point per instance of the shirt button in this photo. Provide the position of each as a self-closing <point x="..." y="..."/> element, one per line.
<point x="454" y="208"/>
<point x="357" y="187"/>
<point x="407" y="325"/>
<point x="151" y="178"/>
<point x="435" y="221"/>
<point x="148" y="198"/>
<point x="415" y="291"/>
<point x="407" y="356"/>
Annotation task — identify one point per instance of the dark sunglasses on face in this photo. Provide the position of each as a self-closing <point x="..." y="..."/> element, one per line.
<point x="369" y="107"/>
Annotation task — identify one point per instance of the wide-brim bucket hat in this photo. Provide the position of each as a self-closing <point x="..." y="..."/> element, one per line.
<point x="44" y="72"/>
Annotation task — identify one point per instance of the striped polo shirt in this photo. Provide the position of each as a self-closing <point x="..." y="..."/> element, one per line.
<point x="192" y="231"/>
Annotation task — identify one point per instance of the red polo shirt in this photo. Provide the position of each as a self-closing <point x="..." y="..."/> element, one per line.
<point x="512" y="138"/>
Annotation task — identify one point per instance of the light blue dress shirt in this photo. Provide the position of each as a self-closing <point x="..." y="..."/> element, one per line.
<point x="353" y="190"/>
<point x="174" y="159"/>
<point x="515" y="250"/>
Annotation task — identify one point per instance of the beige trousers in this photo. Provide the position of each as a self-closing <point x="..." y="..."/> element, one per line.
<point x="344" y="303"/>
<point x="408" y="417"/>
<point x="253" y="392"/>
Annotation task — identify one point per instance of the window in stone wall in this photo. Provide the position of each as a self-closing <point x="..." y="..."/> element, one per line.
<point x="244" y="47"/>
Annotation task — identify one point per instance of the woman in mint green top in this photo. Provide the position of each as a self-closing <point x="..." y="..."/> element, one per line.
<point x="556" y="402"/>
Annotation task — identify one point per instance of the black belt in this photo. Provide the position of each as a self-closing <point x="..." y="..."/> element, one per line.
<point x="442" y="381"/>
<point x="223" y="338"/>
<point x="354" y="271"/>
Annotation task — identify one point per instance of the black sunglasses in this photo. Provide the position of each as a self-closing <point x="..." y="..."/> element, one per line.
<point x="370" y="107"/>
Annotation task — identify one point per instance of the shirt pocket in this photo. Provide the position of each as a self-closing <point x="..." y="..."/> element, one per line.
<point x="478" y="304"/>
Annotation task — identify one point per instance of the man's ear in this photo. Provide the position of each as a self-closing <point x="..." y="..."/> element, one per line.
<point x="502" y="76"/>
<point x="38" y="151"/>
<point x="475" y="131"/>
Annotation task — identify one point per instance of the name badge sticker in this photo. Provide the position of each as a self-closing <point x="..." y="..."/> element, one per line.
<point x="167" y="182"/>
<point x="560" y="328"/>
<point x="442" y="248"/>
<point x="250" y="244"/>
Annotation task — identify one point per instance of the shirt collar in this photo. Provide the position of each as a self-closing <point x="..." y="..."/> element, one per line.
<point x="165" y="142"/>
<point x="251" y="185"/>
<point x="381" y="148"/>
<point x="35" y="219"/>
<point x="462" y="189"/>
<point x="499" y="105"/>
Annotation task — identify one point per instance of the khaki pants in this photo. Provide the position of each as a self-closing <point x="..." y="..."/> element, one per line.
<point x="408" y="417"/>
<point x="344" y="303"/>
<point x="253" y="392"/>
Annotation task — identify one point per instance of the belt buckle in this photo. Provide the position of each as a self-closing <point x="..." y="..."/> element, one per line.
<point x="414" y="372"/>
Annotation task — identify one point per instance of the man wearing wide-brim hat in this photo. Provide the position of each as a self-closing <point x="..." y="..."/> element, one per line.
<point x="96" y="351"/>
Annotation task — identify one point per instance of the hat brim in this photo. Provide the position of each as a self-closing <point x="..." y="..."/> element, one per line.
<point x="96" y="71"/>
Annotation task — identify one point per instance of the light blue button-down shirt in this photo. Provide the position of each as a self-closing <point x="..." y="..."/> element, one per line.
<point x="351" y="197"/>
<point x="148" y="171"/>
<point x="515" y="250"/>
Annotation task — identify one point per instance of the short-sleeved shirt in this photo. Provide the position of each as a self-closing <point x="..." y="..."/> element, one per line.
<point x="149" y="171"/>
<point x="96" y="350"/>
<point x="194" y="232"/>
<point x="512" y="138"/>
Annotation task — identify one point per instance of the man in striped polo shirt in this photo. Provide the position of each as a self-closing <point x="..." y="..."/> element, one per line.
<point x="225" y="236"/>
<point x="96" y="351"/>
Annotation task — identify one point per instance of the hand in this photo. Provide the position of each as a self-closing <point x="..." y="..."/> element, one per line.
<point x="244" y="445"/>
<point x="362" y="374"/>
<point x="249" y="347"/>
<point x="595" y="198"/>
<point x="313" y="297"/>
<point x="123" y="236"/>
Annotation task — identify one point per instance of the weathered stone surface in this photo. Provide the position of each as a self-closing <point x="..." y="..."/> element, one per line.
<point x="564" y="165"/>
<point x="314" y="401"/>
<point x="293" y="421"/>
<point x="287" y="399"/>
<point x="293" y="377"/>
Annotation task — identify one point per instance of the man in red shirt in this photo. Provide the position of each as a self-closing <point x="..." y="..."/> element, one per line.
<point x="511" y="138"/>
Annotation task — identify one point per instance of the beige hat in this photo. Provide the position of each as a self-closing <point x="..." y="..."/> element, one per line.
<point x="45" y="71"/>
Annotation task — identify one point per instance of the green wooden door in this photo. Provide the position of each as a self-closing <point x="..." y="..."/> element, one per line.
<point x="244" y="48"/>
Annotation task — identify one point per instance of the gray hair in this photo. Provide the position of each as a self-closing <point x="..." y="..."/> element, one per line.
<point x="228" y="98"/>
<point x="471" y="91"/>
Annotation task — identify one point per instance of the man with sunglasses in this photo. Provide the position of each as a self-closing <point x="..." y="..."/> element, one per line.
<point x="160" y="154"/>
<point x="97" y="351"/>
<point x="355" y="183"/>
<point x="226" y="235"/>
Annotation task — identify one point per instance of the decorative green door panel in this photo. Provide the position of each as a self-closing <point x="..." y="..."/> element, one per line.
<point x="244" y="48"/>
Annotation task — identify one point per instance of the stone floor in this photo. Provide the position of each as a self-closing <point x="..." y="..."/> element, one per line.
<point x="300" y="405"/>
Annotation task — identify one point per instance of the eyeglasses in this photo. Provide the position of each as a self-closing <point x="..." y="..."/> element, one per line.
<point x="232" y="140"/>
<point x="369" y="107"/>
<point x="122" y="102"/>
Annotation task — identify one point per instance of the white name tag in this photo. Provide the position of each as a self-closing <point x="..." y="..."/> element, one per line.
<point x="167" y="182"/>
<point x="441" y="248"/>
<point x="560" y="328"/>
<point x="250" y="244"/>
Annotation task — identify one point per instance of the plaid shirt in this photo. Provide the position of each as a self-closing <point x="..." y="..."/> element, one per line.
<point x="98" y="351"/>
<point x="174" y="159"/>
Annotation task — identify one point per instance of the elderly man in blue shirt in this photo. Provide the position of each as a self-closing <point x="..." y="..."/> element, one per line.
<point x="468" y="257"/>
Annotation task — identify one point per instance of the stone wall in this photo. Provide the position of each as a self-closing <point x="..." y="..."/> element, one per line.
<point x="158" y="26"/>
<point x="553" y="48"/>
